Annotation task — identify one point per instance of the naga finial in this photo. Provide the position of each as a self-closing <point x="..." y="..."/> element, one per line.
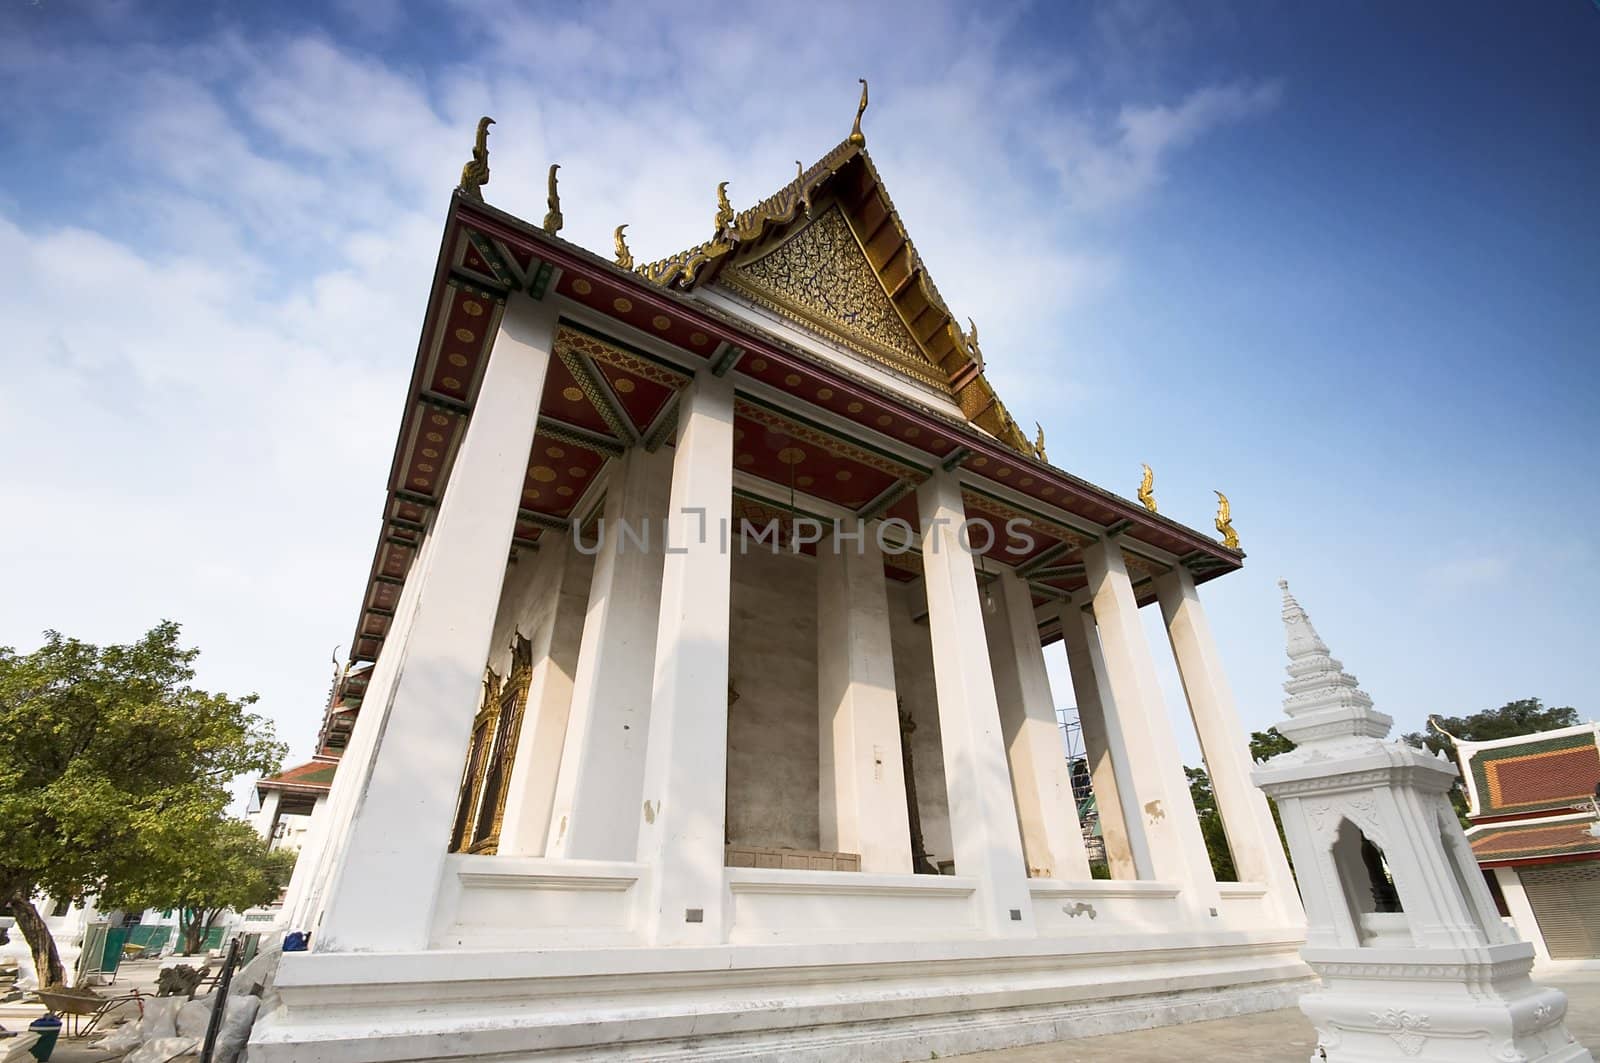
<point x="475" y="174"/>
<point x="724" y="208"/>
<point x="624" y="256"/>
<point x="856" y="136"/>
<point x="1147" y="492"/>
<point x="552" y="219"/>
<point x="1038" y="442"/>
<point x="970" y="341"/>
<point x="1230" y="538"/>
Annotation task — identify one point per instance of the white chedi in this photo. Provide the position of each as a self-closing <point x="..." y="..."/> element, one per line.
<point x="1415" y="961"/>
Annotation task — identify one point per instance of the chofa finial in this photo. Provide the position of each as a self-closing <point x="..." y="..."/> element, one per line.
<point x="856" y="136"/>
<point x="475" y="174"/>
<point x="724" y="208"/>
<point x="552" y="219"/>
<point x="1230" y="538"/>
<point x="1038" y="443"/>
<point x="800" y="183"/>
<point x="1147" y="492"/>
<point x="624" y="256"/>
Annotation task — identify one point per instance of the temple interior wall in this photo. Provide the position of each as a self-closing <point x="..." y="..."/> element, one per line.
<point x="913" y="680"/>
<point x="772" y="728"/>
<point x="526" y="601"/>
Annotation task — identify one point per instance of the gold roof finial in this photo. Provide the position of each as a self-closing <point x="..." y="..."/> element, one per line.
<point x="1038" y="443"/>
<point x="624" y="256"/>
<point x="856" y="136"/>
<point x="970" y="342"/>
<point x="800" y="183"/>
<point x="552" y="220"/>
<point x="1230" y="538"/>
<point x="724" y="208"/>
<point x="475" y="174"/>
<point x="1147" y="493"/>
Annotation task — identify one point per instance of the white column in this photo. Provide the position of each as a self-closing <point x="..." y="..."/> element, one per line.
<point x="983" y="816"/>
<point x="862" y="786"/>
<point x="1160" y="791"/>
<point x="1041" y="782"/>
<point x="355" y="765"/>
<point x="531" y="790"/>
<point x="305" y="862"/>
<point x="1252" y="837"/>
<point x="381" y="895"/>
<point x="596" y="812"/>
<point x="684" y="807"/>
<point x="1127" y="848"/>
<point x="1521" y="910"/>
<point x="266" y="816"/>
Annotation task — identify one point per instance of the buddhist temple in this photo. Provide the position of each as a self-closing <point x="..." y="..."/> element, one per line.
<point x="698" y="701"/>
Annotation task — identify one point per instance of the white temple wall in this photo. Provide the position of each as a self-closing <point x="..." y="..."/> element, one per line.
<point x="913" y="680"/>
<point x="772" y="728"/>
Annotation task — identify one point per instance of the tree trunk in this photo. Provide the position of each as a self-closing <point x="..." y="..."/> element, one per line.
<point x="46" y="961"/>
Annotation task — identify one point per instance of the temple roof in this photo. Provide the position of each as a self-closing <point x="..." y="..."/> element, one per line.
<point x="1544" y="772"/>
<point x="829" y="252"/>
<point x="314" y="776"/>
<point x="1528" y="841"/>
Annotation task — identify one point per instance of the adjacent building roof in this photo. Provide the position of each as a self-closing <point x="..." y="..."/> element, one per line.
<point x="314" y="776"/>
<point x="1531" y="797"/>
<point x="1542" y="772"/>
<point x="1530" y="840"/>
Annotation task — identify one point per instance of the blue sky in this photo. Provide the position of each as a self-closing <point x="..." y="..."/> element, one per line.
<point x="1336" y="260"/>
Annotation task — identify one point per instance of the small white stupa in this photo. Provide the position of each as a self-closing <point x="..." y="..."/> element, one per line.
<point x="1416" y="963"/>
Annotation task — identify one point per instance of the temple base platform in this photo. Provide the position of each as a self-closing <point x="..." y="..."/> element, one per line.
<point x="870" y="1002"/>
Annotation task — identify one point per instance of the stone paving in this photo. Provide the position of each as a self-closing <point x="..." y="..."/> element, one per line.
<point x="1269" y="1037"/>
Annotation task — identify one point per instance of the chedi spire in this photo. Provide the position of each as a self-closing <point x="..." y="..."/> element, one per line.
<point x="1324" y="703"/>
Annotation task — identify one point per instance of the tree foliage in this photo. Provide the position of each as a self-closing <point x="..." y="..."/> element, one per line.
<point x="202" y="870"/>
<point x="103" y="749"/>
<point x="1514" y="718"/>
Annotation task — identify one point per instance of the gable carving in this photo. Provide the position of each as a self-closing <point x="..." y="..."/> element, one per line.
<point x="821" y="278"/>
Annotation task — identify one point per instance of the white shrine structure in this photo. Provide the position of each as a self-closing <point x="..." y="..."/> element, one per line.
<point x="703" y="797"/>
<point x="1415" y="960"/>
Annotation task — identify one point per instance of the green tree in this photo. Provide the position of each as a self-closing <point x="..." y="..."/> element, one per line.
<point x="1521" y="717"/>
<point x="202" y="870"/>
<point x="1267" y="744"/>
<point x="103" y="750"/>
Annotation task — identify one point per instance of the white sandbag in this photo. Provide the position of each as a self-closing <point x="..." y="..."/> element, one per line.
<point x="160" y="1018"/>
<point x="122" y="1039"/>
<point x="259" y="971"/>
<point x="194" y="1016"/>
<point x="237" y="1018"/>
<point x="163" y="1050"/>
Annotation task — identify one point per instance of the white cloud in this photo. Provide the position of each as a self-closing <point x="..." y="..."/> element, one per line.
<point x="1103" y="168"/>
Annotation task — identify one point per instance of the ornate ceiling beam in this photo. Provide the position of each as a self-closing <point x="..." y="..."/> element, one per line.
<point x="571" y="434"/>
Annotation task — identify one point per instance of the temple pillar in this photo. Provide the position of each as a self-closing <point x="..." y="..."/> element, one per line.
<point x="1041" y="778"/>
<point x="531" y="790"/>
<point x="684" y="812"/>
<point x="266" y="816"/>
<point x="382" y="895"/>
<point x="596" y="811"/>
<point x="983" y="817"/>
<point x="862" y="794"/>
<point x="1160" y="792"/>
<point x="1252" y="836"/>
<point x="1521" y="909"/>
<point x="1105" y="746"/>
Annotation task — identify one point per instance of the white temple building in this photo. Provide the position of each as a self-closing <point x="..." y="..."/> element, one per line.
<point x="747" y="789"/>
